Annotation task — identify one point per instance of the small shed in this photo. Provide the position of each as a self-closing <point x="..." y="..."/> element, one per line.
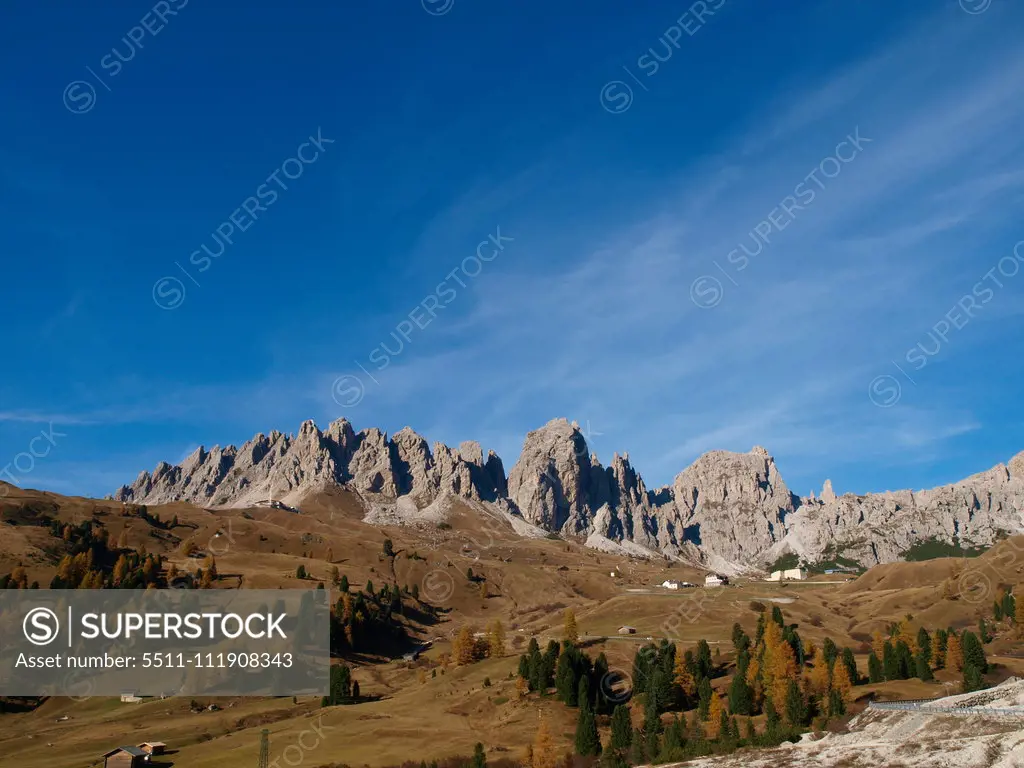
<point x="125" y="757"/>
<point x="153" y="747"/>
<point x="627" y="630"/>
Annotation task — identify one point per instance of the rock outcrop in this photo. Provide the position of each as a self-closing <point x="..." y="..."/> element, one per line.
<point x="726" y="510"/>
<point x="284" y="468"/>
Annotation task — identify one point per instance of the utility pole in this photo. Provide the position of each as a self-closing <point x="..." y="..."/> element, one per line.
<point x="264" y="749"/>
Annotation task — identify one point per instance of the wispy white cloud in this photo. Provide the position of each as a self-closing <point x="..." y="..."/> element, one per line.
<point x="596" y="323"/>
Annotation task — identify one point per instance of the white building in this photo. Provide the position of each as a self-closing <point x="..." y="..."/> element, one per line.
<point x="791" y="574"/>
<point x="669" y="584"/>
<point x="715" y="580"/>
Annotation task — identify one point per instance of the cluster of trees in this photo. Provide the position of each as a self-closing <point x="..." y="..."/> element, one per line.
<point x="467" y="648"/>
<point x="90" y="562"/>
<point x="775" y="675"/>
<point x="343" y="688"/>
<point x="142" y="512"/>
<point x="905" y="654"/>
<point x="792" y="685"/>
<point x="361" y="618"/>
<point x="1005" y="607"/>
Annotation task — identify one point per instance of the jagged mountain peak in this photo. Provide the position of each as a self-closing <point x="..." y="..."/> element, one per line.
<point x="726" y="507"/>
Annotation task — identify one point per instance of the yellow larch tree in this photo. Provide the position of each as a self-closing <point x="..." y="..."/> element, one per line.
<point x="715" y="708"/>
<point x="954" y="653"/>
<point x="496" y="640"/>
<point x="570" y="632"/>
<point x="464" y="647"/>
<point x="819" y="674"/>
<point x="779" y="663"/>
<point x="544" y="754"/>
<point x="878" y="643"/>
<point x="841" y="681"/>
<point x="682" y="677"/>
<point x="907" y="634"/>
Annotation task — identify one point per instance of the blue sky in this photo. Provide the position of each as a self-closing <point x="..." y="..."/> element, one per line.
<point x="619" y="297"/>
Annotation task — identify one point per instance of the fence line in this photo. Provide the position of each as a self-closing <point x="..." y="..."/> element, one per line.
<point x="922" y="705"/>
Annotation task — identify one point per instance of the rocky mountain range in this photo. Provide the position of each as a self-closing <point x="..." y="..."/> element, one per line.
<point x="727" y="511"/>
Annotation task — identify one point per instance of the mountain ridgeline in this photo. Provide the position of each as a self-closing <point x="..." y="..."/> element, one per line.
<point x="727" y="511"/>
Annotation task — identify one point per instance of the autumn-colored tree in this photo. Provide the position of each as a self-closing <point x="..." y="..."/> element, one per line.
<point x="908" y="635"/>
<point x="819" y="675"/>
<point x="19" y="577"/>
<point x="121" y="568"/>
<point x="496" y="640"/>
<point x="211" y="567"/>
<point x="878" y="643"/>
<point x="841" y="682"/>
<point x="172" y="572"/>
<point x="483" y="590"/>
<point x="715" y="708"/>
<point x="544" y="754"/>
<point x="954" y="653"/>
<point x="755" y="681"/>
<point x="189" y="548"/>
<point x="779" y="662"/>
<point x="683" y="677"/>
<point x="570" y="633"/>
<point x="464" y="647"/>
<point x="522" y="687"/>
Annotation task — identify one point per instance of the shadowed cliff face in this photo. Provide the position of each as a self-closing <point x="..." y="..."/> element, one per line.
<point x="733" y="507"/>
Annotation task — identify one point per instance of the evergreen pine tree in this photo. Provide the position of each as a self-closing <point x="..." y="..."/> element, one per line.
<point x="622" y="728"/>
<point x="850" y="663"/>
<point x="773" y="725"/>
<point x="704" y="664"/>
<point x="795" y="707"/>
<point x="890" y="664"/>
<point x="836" y="705"/>
<point x="972" y="680"/>
<point x="875" y="672"/>
<point x="675" y="738"/>
<point x="741" y="695"/>
<point x="830" y="651"/>
<point x="704" y="692"/>
<point x="587" y="740"/>
<point x="1010" y="606"/>
<point x="939" y="651"/>
<point x="652" y="727"/>
<point x="566" y="684"/>
<point x="924" y="644"/>
<point x="479" y="759"/>
<point x="922" y="668"/>
<point x="974" y="653"/>
<point x="905" y="661"/>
